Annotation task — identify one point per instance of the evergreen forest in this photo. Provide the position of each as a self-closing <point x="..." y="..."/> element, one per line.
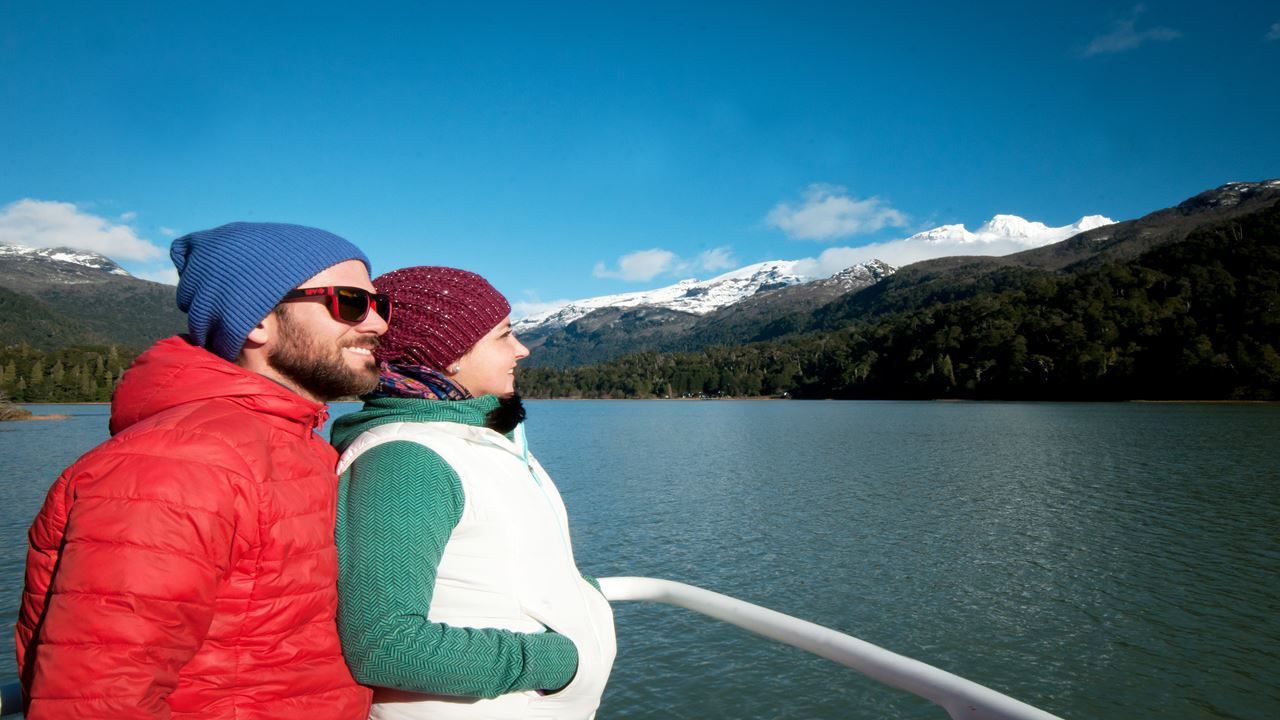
<point x="74" y="374"/>
<point x="1197" y="319"/>
<point x="1193" y="320"/>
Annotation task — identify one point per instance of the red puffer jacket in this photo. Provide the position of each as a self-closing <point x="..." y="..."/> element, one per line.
<point x="186" y="568"/>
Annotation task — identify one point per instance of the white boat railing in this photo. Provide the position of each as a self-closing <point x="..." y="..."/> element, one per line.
<point x="962" y="699"/>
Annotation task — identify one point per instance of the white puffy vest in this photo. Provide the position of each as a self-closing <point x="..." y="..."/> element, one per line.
<point x="508" y="564"/>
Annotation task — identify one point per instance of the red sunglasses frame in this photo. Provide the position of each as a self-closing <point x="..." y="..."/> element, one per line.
<point x="338" y="295"/>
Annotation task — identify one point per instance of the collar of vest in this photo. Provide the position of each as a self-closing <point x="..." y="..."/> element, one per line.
<point x="483" y="436"/>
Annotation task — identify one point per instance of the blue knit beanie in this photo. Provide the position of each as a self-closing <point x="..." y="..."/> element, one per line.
<point x="230" y="277"/>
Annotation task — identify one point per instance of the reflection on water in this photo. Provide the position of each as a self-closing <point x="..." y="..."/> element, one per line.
<point x="1096" y="560"/>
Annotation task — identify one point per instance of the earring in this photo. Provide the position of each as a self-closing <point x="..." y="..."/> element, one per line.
<point x="453" y="369"/>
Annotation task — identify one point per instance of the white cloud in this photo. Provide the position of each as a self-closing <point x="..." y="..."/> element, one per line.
<point x="1274" y="33"/>
<point x="645" y="265"/>
<point x="168" y="232"/>
<point x="829" y="212"/>
<point x="1003" y="235"/>
<point x="42" y="223"/>
<point x="128" y="216"/>
<point x="715" y="259"/>
<point x="524" y="308"/>
<point x="833" y="260"/>
<point x="1124" y="37"/>
<point x="168" y="276"/>
<point x="639" y="266"/>
<point x="896" y="252"/>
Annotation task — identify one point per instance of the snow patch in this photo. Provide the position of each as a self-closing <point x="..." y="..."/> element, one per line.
<point x="1005" y="232"/>
<point x="90" y="260"/>
<point x="701" y="297"/>
<point x="1008" y="229"/>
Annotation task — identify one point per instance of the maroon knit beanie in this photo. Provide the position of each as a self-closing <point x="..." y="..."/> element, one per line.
<point x="438" y="314"/>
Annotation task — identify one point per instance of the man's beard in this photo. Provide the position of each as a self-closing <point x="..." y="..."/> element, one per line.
<point x="321" y="371"/>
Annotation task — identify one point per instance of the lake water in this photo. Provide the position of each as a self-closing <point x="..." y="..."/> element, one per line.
<point x="1095" y="560"/>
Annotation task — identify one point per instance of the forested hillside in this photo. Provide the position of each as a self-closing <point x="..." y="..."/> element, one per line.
<point x="1195" y="319"/>
<point x="50" y="304"/>
<point x="1181" y="304"/>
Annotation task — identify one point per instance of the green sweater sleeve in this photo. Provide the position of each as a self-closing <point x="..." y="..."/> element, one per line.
<point x="398" y="504"/>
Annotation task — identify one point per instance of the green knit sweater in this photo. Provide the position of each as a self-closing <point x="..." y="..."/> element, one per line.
<point x="397" y="505"/>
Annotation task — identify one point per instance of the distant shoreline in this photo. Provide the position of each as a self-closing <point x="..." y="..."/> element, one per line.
<point x="96" y="402"/>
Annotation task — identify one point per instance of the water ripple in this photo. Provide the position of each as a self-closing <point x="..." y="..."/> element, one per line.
<point x="1108" y="561"/>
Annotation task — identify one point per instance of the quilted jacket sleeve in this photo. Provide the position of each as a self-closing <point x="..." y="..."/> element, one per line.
<point x="125" y="559"/>
<point x="398" y="504"/>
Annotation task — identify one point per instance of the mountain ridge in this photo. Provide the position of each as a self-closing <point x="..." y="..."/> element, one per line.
<point x="76" y="297"/>
<point x="954" y="277"/>
<point x="707" y="296"/>
<point x="84" y="298"/>
<point x="753" y="303"/>
<point x="1177" y="305"/>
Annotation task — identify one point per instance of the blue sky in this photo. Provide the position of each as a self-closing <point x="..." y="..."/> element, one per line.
<point x="567" y="150"/>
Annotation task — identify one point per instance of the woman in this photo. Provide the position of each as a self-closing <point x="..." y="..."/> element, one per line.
<point x="458" y="593"/>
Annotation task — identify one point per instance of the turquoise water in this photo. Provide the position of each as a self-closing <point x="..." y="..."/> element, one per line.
<point x="1111" y="561"/>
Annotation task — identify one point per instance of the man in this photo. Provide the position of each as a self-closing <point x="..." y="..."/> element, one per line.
<point x="186" y="567"/>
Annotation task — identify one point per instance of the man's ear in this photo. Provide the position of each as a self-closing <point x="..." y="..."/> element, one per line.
<point x="263" y="332"/>
<point x="254" y="352"/>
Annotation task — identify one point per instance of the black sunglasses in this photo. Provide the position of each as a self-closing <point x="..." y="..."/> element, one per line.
<point x="348" y="304"/>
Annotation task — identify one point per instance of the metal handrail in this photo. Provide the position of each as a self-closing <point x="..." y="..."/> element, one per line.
<point x="962" y="699"/>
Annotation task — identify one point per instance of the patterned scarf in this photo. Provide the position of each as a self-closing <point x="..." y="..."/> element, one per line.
<point x="416" y="381"/>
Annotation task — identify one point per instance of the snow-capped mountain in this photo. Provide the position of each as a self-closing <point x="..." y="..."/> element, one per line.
<point x="696" y="297"/>
<point x="1229" y="195"/>
<point x="72" y="256"/>
<point x="74" y="297"/>
<point x="1005" y="228"/>
<point x="859" y="276"/>
<point x="689" y="296"/>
